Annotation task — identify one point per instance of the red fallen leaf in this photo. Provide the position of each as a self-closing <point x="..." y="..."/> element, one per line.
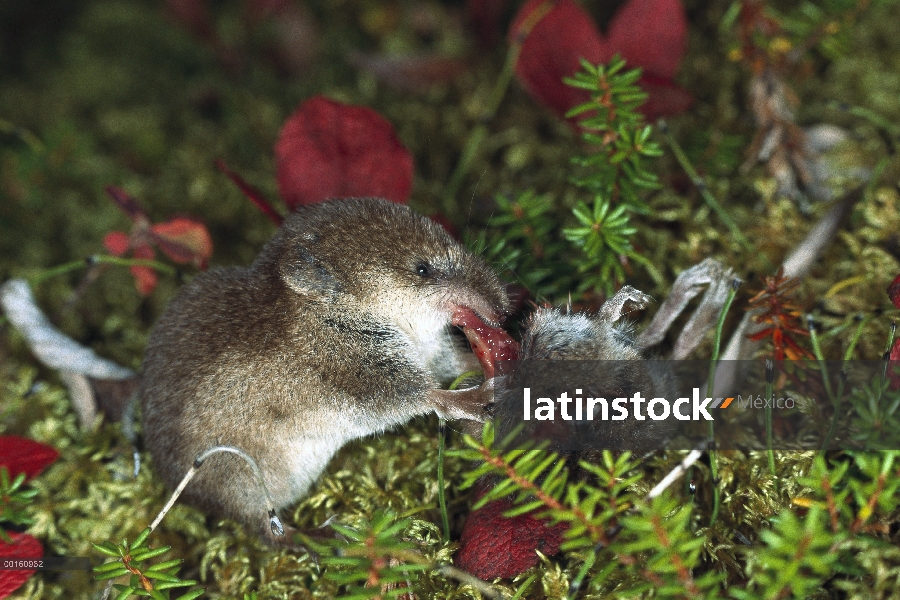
<point x="182" y="240"/>
<point x="332" y="150"/>
<point x="894" y="365"/>
<point x="254" y="195"/>
<point x="664" y="98"/>
<point x="493" y="546"/>
<point x="22" y="455"/>
<point x="489" y="344"/>
<point x="23" y="546"/>
<point x="554" y="36"/>
<point x="893" y="291"/>
<point x="651" y="34"/>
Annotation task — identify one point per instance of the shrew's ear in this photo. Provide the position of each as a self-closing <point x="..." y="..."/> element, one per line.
<point x="306" y="274"/>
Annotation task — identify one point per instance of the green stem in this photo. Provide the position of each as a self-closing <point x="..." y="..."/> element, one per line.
<point x="863" y="321"/>
<point x="575" y="586"/>
<point x="770" y="379"/>
<point x="442" y="496"/>
<point x="840" y="393"/>
<point x="710" y="386"/>
<point x="886" y="357"/>
<point x="480" y="132"/>
<point x="698" y="181"/>
<point x="817" y="351"/>
<point x="442" y="444"/>
<point x="31" y="140"/>
<point x="101" y="259"/>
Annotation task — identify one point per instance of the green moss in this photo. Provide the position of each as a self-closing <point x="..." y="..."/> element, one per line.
<point x="118" y="94"/>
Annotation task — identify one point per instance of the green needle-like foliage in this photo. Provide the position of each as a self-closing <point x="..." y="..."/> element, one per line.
<point x="801" y="552"/>
<point x="603" y="235"/>
<point x="14" y="501"/>
<point x="147" y="580"/>
<point x="528" y="235"/>
<point x="375" y="560"/>
<point x="653" y="544"/>
<point x="876" y="417"/>
<point x="616" y="132"/>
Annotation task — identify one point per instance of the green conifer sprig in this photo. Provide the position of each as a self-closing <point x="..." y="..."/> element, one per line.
<point x="876" y="418"/>
<point x="603" y="234"/>
<point x="535" y="239"/>
<point x="652" y="544"/>
<point x="801" y="552"/>
<point x="147" y="580"/>
<point x="14" y="500"/>
<point x="616" y="133"/>
<point x="375" y="560"/>
<point x="661" y="534"/>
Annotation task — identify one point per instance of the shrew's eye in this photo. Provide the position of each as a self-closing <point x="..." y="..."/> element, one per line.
<point x="424" y="269"/>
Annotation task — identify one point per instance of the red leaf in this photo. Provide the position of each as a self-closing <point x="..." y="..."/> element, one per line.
<point x="127" y="203"/>
<point x="894" y="365"/>
<point x="254" y="195"/>
<point x="22" y="455"/>
<point x="23" y="546"/>
<point x="651" y="34"/>
<point x="761" y="335"/>
<point x="332" y="150"/>
<point x="554" y="38"/>
<point x="894" y="291"/>
<point x="496" y="546"/>
<point x="116" y="243"/>
<point x="664" y="98"/>
<point x="183" y="240"/>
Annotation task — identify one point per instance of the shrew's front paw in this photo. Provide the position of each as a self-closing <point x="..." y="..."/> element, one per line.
<point x="473" y="404"/>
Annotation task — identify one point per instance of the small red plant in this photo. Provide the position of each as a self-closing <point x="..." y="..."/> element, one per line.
<point x="555" y="36"/>
<point x="328" y="149"/>
<point x="780" y="315"/>
<point x="183" y="240"/>
<point x="19" y="455"/>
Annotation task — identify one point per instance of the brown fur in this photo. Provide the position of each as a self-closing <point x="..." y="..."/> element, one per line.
<point x="335" y="332"/>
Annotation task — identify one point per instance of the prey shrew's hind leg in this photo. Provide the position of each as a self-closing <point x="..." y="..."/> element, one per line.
<point x="686" y="287"/>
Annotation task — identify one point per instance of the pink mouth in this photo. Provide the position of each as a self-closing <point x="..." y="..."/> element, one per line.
<point x="489" y="344"/>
